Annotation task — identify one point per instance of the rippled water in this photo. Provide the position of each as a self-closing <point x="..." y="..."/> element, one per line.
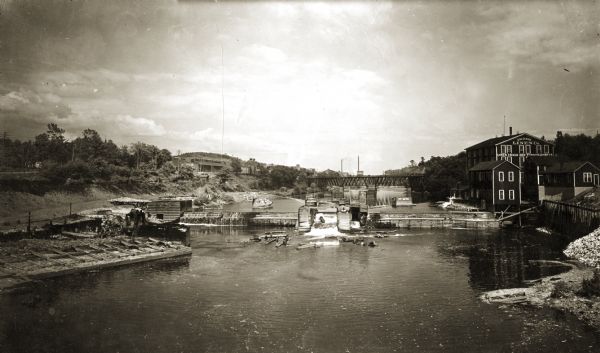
<point x="414" y="292"/>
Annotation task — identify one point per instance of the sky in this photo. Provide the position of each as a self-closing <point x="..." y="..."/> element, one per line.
<point x="309" y="83"/>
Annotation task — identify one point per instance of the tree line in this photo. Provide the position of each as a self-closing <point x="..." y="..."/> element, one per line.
<point x="86" y="158"/>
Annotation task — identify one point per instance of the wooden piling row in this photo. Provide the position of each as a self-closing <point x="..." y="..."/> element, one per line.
<point x="435" y="220"/>
<point x="285" y="219"/>
<point x="573" y="220"/>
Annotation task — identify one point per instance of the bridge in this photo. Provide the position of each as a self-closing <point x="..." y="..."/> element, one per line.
<point x="413" y="180"/>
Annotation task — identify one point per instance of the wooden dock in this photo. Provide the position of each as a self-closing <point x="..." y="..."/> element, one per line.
<point x="228" y="218"/>
<point x="434" y="219"/>
<point x="35" y="259"/>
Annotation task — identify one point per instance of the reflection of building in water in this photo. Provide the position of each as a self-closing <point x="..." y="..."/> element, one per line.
<point x="499" y="265"/>
<point x="506" y="262"/>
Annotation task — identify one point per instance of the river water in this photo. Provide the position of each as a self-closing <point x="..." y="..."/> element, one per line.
<point x="416" y="291"/>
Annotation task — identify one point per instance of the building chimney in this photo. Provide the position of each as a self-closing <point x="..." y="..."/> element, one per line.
<point x="510" y="131"/>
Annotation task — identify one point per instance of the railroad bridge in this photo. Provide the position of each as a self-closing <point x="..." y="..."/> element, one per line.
<point x="412" y="180"/>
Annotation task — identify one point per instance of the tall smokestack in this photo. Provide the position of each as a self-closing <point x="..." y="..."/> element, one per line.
<point x="510" y="131"/>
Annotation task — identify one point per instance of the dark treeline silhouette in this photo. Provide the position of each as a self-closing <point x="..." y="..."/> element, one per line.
<point x="84" y="159"/>
<point x="578" y="147"/>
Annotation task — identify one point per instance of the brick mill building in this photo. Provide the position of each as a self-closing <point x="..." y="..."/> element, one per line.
<point x="512" y="148"/>
<point x="490" y="185"/>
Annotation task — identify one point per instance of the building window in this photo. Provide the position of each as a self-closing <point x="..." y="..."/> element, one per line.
<point x="528" y="149"/>
<point x="538" y="149"/>
<point x="500" y="176"/>
<point x="509" y="149"/>
<point x="587" y="177"/>
<point x="500" y="194"/>
<point x="511" y="176"/>
<point x="502" y="149"/>
<point x="546" y="149"/>
<point x="511" y="194"/>
<point x="521" y="149"/>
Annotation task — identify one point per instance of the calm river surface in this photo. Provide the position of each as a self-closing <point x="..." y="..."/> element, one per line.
<point x="416" y="292"/>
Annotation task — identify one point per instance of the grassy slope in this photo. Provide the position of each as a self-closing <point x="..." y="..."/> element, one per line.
<point x="15" y="205"/>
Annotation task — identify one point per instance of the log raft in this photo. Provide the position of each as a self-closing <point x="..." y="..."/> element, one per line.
<point x="41" y="259"/>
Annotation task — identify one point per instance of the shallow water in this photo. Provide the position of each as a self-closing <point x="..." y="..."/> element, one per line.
<point x="415" y="292"/>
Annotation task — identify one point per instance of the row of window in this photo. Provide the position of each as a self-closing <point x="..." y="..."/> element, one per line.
<point x="525" y="149"/>
<point x="511" y="176"/>
<point x="511" y="194"/>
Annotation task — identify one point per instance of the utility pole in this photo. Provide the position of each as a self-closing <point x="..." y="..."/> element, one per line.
<point x="222" y="105"/>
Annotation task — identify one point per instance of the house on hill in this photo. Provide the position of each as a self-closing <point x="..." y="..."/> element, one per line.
<point x="202" y="162"/>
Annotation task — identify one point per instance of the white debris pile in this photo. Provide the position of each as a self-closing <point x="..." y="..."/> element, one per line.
<point x="586" y="249"/>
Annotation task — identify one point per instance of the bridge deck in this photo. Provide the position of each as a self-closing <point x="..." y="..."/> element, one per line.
<point x="369" y="180"/>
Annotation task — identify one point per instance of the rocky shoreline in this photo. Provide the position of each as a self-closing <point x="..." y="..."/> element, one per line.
<point x="569" y="291"/>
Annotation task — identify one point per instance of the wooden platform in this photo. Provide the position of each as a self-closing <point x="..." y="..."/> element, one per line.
<point x="34" y="259"/>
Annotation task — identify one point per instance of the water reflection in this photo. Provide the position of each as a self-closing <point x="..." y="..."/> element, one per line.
<point x="506" y="259"/>
<point x="417" y="291"/>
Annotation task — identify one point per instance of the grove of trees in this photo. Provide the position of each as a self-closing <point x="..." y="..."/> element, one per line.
<point x="84" y="159"/>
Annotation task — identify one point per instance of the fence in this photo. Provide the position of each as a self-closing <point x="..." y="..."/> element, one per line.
<point x="569" y="219"/>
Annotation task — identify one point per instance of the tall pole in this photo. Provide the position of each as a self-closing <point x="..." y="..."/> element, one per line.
<point x="222" y="103"/>
<point x="342" y="165"/>
<point x="358" y="169"/>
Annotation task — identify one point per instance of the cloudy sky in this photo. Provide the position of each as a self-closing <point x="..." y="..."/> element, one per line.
<point x="303" y="82"/>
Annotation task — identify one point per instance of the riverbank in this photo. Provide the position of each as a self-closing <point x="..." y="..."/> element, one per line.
<point x="560" y="292"/>
<point x="576" y="291"/>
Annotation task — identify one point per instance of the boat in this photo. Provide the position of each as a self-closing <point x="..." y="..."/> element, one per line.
<point x="454" y="204"/>
<point x="261" y="202"/>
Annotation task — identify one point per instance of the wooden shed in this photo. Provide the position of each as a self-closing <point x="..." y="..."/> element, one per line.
<point x="169" y="209"/>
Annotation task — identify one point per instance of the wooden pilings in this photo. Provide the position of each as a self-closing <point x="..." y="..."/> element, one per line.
<point x="286" y="219"/>
<point x="570" y="219"/>
<point x="436" y="220"/>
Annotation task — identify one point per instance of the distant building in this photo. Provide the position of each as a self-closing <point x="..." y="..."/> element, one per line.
<point x="250" y="167"/>
<point x="495" y="185"/>
<point x="564" y="181"/>
<point x="511" y="148"/>
<point x="203" y="164"/>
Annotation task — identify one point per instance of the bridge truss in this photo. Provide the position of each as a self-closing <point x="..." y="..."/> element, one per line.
<point x="410" y="180"/>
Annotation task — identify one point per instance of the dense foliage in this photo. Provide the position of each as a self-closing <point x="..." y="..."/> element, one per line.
<point x="443" y="174"/>
<point x="84" y="159"/>
<point x="578" y="147"/>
